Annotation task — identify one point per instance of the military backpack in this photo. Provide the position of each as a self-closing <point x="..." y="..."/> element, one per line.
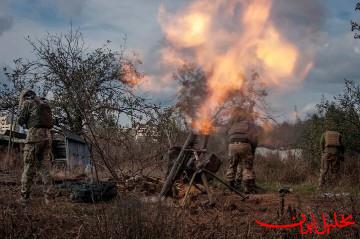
<point x="41" y="115"/>
<point x="332" y="139"/>
<point x="239" y="131"/>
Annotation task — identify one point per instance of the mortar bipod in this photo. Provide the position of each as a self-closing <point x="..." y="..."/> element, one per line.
<point x="203" y="172"/>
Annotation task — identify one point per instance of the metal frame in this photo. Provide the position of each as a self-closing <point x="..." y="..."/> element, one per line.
<point x="204" y="172"/>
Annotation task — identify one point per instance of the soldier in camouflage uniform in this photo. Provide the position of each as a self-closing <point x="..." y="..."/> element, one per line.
<point x="242" y="144"/>
<point x="35" y="115"/>
<point x="332" y="153"/>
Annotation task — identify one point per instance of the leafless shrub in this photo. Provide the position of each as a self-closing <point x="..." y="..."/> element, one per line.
<point x="350" y="171"/>
<point x="10" y="161"/>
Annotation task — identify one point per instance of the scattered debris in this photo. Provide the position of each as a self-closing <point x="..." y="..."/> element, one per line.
<point x="141" y="183"/>
<point x="334" y="195"/>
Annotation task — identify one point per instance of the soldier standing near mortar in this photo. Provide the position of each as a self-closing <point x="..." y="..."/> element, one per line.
<point x="36" y="116"/>
<point x="242" y="136"/>
<point x="332" y="151"/>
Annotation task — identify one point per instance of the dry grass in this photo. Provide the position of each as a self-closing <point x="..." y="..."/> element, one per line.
<point x="134" y="218"/>
<point x="129" y="216"/>
<point x="273" y="171"/>
<point x="11" y="161"/>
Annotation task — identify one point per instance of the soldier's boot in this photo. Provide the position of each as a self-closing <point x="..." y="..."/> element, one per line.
<point x="238" y="184"/>
<point x="48" y="199"/>
<point x="321" y="185"/>
<point x="232" y="183"/>
<point x="24" y="199"/>
<point x="251" y="187"/>
<point x="247" y="186"/>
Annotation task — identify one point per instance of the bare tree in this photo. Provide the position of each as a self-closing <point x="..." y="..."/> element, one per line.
<point x="16" y="80"/>
<point x="193" y="91"/>
<point x="89" y="89"/>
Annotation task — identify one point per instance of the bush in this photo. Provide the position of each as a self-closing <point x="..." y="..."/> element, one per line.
<point x="272" y="169"/>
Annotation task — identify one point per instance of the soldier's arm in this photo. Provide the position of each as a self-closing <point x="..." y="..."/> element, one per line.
<point x="24" y="113"/>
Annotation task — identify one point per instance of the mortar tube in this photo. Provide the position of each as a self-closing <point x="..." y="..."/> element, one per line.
<point x="177" y="165"/>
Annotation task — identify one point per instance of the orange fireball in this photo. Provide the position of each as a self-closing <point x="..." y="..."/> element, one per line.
<point x="228" y="52"/>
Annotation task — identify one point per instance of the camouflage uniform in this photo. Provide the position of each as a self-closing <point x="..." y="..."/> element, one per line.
<point x="240" y="163"/>
<point x="37" y="151"/>
<point x="331" y="156"/>
<point x="242" y="146"/>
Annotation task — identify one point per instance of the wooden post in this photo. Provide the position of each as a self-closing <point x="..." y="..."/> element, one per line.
<point x="189" y="188"/>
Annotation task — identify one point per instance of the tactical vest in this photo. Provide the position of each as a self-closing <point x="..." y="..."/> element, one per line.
<point x="332" y="139"/>
<point x="240" y="132"/>
<point x="40" y="115"/>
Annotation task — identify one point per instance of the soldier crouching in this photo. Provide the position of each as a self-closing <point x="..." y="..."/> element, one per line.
<point x="36" y="116"/>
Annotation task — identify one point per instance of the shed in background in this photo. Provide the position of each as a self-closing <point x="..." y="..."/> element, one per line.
<point x="70" y="149"/>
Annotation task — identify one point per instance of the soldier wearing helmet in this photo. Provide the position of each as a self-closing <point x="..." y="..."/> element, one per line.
<point x="332" y="150"/>
<point x="242" y="136"/>
<point x="35" y="115"/>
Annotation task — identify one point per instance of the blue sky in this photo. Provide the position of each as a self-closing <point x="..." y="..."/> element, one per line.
<point x="336" y="53"/>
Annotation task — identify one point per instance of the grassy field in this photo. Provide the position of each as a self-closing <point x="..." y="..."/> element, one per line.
<point x="137" y="213"/>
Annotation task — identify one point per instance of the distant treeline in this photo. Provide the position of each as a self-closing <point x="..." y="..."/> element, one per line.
<point x="343" y="111"/>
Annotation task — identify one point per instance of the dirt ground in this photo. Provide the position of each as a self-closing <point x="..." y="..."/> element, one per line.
<point x="229" y="218"/>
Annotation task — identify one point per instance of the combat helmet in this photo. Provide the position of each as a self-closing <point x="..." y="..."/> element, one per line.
<point x="26" y="94"/>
